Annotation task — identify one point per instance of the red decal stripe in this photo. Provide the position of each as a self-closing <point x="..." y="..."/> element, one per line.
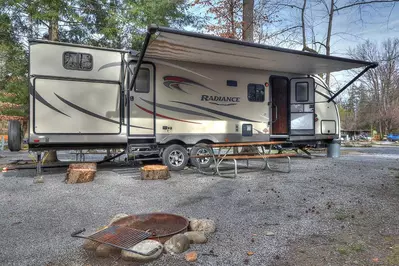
<point x="163" y="116"/>
<point x="177" y="79"/>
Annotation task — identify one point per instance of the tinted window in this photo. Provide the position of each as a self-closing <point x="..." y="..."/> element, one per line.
<point x="143" y="81"/>
<point x="78" y="61"/>
<point x="256" y="93"/>
<point x="302" y="92"/>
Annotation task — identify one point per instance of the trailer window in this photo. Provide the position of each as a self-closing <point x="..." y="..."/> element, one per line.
<point x="256" y="92"/>
<point x="77" y="61"/>
<point x="143" y="81"/>
<point x="302" y="92"/>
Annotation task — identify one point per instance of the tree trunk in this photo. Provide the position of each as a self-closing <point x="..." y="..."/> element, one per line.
<point x="53" y="30"/>
<point x="53" y="36"/>
<point x="248" y="21"/>
<point x="232" y="21"/>
<point x="304" y="46"/>
<point x="328" y="41"/>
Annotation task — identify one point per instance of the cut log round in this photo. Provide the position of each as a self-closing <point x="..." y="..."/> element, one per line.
<point x="81" y="173"/>
<point x="152" y="172"/>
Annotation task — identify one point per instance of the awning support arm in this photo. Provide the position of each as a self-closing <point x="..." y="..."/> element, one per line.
<point x="374" y="65"/>
<point x="150" y="32"/>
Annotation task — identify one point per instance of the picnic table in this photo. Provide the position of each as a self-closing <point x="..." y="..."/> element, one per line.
<point x="263" y="151"/>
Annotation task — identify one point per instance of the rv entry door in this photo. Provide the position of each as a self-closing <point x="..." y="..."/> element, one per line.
<point x="142" y="102"/>
<point x="302" y="107"/>
<point x="279" y="101"/>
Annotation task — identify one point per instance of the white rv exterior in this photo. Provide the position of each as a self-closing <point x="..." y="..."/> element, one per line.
<point x="80" y="98"/>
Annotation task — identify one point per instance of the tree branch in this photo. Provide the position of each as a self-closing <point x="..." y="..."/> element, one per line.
<point x="365" y="3"/>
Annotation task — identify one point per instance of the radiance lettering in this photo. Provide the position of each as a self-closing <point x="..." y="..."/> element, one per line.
<point x="208" y="98"/>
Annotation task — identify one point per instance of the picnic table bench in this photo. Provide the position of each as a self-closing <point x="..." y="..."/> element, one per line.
<point x="224" y="154"/>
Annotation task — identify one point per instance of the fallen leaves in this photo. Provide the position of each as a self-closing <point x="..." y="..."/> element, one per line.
<point x="250" y="253"/>
<point x="191" y="256"/>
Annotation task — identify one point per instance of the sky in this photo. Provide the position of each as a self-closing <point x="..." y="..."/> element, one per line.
<point x="351" y="27"/>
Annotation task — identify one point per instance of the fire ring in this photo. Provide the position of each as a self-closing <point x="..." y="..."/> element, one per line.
<point x="162" y="226"/>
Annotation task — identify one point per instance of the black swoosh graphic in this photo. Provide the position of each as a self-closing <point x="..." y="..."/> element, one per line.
<point x="91" y="113"/>
<point x="179" y="110"/>
<point x="110" y="65"/>
<point x="217" y="112"/>
<point x="46" y="103"/>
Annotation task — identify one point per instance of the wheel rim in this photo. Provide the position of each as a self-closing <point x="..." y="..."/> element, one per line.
<point x="203" y="160"/>
<point x="176" y="158"/>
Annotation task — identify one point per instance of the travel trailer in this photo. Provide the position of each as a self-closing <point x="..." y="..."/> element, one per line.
<point x="180" y="89"/>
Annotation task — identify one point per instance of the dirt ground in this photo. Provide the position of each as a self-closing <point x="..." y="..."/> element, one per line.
<point x="341" y="211"/>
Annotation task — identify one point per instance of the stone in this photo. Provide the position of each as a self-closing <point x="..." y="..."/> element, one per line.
<point x="191" y="256"/>
<point x="268" y="233"/>
<point x="38" y="179"/>
<point x="196" y="237"/>
<point x="177" y="244"/>
<point x="154" y="248"/>
<point x="90" y="244"/>
<point x="104" y="251"/>
<point x="118" y="217"/>
<point x="203" y="225"/>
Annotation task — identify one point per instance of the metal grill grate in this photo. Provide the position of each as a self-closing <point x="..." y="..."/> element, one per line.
<point x="120" y="236"/>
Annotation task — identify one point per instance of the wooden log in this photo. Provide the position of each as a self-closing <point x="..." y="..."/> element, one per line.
<point x="81" y="173"/>
<point x="153" y="172"/>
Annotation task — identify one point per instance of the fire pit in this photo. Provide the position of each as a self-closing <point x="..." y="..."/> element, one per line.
<point x="162" y="226"/>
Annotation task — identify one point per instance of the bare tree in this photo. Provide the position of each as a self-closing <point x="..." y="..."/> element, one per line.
<point x="381" y="83"/>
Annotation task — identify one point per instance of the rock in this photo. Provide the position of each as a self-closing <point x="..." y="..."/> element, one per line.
<point x="38" y="179"/>
<point x="147" y="246"/>
<point x="105" y="251"/>
<point x="177" y="244"/>
<point x="191" y="256"/>
<point x="196" y="237"/>
<point x="118" y="217"/>
<point x="203" y="225"/>
<point x="90" y="244"/>
<point x="269" y="233"/>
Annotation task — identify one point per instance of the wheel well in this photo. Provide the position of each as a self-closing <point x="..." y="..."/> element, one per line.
<point x="174" y="141"/>
<point x="206" y="141"/>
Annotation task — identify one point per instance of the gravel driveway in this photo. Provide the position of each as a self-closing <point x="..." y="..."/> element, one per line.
<point x="327" y="211"/>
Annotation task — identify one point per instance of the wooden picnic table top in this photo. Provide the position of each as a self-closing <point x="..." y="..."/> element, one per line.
<point x="242" y="144"/>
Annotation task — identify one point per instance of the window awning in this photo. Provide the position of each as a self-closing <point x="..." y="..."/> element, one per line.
<point x="173" y="44"/>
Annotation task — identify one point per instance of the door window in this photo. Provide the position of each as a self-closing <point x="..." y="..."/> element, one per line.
<point x="143" y="81"/>
<point x="302" y="92"/>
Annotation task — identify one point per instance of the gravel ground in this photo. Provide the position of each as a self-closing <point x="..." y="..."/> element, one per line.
<point x="325" y="212"/>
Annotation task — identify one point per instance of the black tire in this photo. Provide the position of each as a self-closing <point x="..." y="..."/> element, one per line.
<point x="14" y="135"/>
<point x="180" y="157"/>
<point x="195" y="161"/>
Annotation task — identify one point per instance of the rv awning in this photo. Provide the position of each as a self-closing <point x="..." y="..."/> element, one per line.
<point x="180" y="45"/>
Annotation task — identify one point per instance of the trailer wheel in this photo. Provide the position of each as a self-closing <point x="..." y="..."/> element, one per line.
<point x="200" y="150"/>
<point x="175" y="157"/>
<point x="14" y="135"/>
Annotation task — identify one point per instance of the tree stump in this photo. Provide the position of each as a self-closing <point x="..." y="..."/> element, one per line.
<point x="153" y="172"/>
<point x="81" y="173"/>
